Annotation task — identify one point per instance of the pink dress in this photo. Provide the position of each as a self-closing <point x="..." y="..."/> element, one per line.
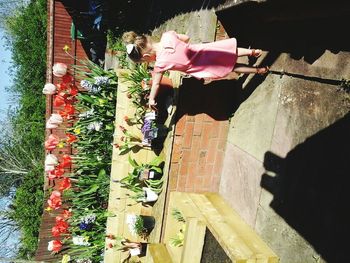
<point x="210" y="60"/>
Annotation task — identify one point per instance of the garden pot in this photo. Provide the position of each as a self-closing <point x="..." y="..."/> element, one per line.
<point x="150" y="196"/>
<point x="148" y="223"/>
<point x="144" y="175"/>
<point x="149" y="174"/>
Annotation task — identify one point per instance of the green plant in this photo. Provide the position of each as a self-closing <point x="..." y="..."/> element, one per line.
<point x="136" y="91"/>
<point x="178" y="215"/>
<point x="178" y="240"/>
<point x="133" y="181"/>
<point x="139" y="226"/>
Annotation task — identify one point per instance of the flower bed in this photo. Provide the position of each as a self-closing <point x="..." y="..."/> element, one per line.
<point x="82" y="194"/>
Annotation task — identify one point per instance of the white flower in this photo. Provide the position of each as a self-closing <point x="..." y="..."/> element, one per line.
<point x="131" y="221"/>
<point x="89" y="86"/>
<point x="49" y="89"/>
<point x="59" y="69"/>
<point x="49" y="125"/>
<point x="80" y="241"/>
<point x="51" y="159"/>
<point x="86" y="114"/>
<point x="84" y="260"/>
<point x="54" y="120"/>
<point x="50" y="162"/>
<point x="50" y="246"/>
<point x="101" y="81"/>
<point x="95" y="126"/>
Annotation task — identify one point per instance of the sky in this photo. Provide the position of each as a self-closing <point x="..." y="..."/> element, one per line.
<point x="5" y="79"/>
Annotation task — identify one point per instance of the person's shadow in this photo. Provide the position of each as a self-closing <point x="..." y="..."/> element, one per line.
<point x="310" y="189"/>
<point x="218" y="99"/>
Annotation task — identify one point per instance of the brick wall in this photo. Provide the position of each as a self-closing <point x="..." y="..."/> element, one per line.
<point x="58" y="35"/>
<point x="200" y="135"/>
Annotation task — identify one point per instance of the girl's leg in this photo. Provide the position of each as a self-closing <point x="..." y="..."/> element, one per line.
<point x="248" y="52"/>
<point x="247" y="69"/>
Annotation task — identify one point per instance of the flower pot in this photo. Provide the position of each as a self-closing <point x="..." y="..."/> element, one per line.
<point x="147" y="174"/>
<point x="150" y="195"/>
<point x="148" y="223"/>
<point x="144" y="175"/>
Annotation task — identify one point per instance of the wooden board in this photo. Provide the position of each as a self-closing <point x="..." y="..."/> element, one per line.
<point x="119" y="203"/>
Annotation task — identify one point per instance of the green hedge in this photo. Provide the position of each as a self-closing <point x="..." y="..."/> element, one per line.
<point x="26" y="38"/>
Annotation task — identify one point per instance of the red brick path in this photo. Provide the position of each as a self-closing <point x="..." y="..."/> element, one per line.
<point x="199" y="144"/>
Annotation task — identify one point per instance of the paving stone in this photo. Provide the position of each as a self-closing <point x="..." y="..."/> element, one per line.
<point x="252" y="125"/>
<point x="240" y="182"/>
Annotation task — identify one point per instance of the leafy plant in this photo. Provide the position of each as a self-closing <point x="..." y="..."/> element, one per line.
<point x="135" y="184"/>
<point x="178" y="240"/>
<point x="178" y="215"/>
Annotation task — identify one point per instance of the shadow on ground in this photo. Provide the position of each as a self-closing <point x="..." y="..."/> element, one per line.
<point x="300" y="28"/>
<point x="311" y="187"/>
<point x="219" y="99"/>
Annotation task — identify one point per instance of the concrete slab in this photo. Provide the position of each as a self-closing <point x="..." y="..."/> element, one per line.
<point x="199" y="25"/>
<point x="240" y="182"/>
<point x="284" y="240"/>
<point x="305" y="107"/>
<point x="329" y="65"/>
<point x="252" y="126"/>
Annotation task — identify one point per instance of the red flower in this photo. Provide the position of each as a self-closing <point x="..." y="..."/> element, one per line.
<point x="59" y="219"/>
<point x="66" y="161"/>
<point x="61" y="227"/>
<point x="51" y="142"/>
<point x="116" y="145"/>
<point x="73" y="91"/>
<point x="55" y="200"/>
<point x="71" y="138"/>
<point x="110" y="236"/>
<point x="59" y="101"/>
<point x="126" y="118"/>
<point x="55" y="245"/>
<point x="69" y="109"/>
<point x="110" y="245"/>
<point x="61" y="87"/>
<point x="55" y="232"/>
<point x="65" y="184"/>
<point x="67" y="79"/>
<point x="57" y="172"/>
<point x="66" y="213"/>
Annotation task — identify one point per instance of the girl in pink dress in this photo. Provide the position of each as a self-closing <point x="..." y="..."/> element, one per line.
<point x="209" y="61"/>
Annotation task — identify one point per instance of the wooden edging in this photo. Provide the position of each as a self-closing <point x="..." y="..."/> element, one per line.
<point x="240" y="242"/>
<point x="119" y="203"/>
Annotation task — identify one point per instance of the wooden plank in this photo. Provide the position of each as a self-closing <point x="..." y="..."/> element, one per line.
<point x="230" y="241"/>
<point x="194" y="240"/>
<point x="119" y="203"/>
<point x="159" y="254"/>
<point x="248" y="235"/>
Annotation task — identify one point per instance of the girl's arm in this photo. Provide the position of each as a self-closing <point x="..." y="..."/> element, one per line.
<point x="184" y="38"/>
<point x="154" y="90"/>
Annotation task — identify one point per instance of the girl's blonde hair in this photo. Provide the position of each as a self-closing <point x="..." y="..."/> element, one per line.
<point x="139" y="43"/>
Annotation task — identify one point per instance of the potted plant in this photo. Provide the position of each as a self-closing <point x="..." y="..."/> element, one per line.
<point x="140" y="225"/>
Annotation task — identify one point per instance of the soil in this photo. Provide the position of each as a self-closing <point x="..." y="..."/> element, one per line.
<point x="212" y="251"/>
